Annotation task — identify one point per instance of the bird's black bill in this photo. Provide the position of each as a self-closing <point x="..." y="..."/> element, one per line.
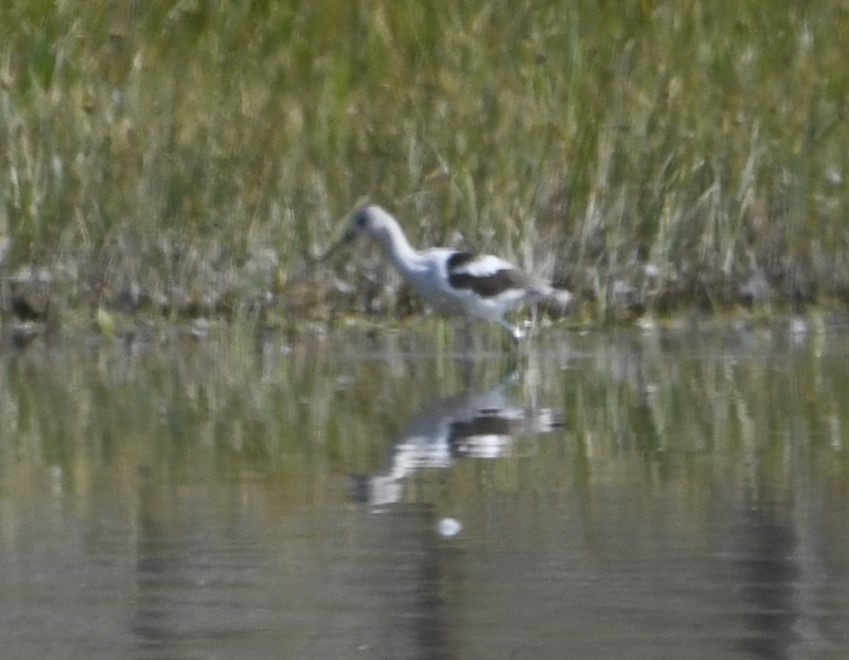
<point x="342" y="242"/>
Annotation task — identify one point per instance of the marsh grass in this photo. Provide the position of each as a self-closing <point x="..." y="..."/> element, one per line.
<point x="184" y="158"/>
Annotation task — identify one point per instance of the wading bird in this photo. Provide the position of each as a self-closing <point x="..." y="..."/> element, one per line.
<point x="454" y="282"/>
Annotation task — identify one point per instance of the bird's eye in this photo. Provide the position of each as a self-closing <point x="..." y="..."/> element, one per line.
<point x="362" y="220"/>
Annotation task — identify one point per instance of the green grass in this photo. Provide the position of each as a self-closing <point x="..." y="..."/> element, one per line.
<point x="192" y="153"/>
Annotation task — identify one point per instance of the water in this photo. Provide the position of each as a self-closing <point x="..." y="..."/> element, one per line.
<point x="375" y="496"/>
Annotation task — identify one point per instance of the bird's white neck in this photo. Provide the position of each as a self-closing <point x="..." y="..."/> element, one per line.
<point x="403" y="256"/>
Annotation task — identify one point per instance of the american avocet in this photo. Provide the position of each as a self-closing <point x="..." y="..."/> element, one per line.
<point x="454" y="282"/>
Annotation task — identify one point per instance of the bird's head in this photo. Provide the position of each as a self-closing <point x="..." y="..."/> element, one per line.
<point x="370" y="221"/>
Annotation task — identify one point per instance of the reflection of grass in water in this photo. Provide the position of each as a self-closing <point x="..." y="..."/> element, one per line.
<point x="170" y="147"/>
<point x="296" y="421"/>
<point x="230" y="410"/>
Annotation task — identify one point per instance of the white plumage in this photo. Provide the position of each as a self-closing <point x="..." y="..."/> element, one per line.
<point x="451" y="281"/>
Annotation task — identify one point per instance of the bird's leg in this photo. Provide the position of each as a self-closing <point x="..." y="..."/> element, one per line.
<point x="441" y="335"/>
<point x="534" y="318"/>
<point x="516" y="333"/>
<point x="468" y="340"/>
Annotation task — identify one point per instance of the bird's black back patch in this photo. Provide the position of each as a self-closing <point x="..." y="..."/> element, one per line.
<point x="459" y="259"/>
<point x="486" y="286"/>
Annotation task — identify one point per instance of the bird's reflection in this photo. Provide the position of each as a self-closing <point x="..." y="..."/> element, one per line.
<point x="466" y="425"/>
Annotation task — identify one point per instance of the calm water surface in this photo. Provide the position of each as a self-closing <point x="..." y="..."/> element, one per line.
<point x="375" y="496"/>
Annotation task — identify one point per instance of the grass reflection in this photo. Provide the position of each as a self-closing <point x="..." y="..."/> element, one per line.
<point x="685" y="418"/>
<point x="171" y="493"/>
